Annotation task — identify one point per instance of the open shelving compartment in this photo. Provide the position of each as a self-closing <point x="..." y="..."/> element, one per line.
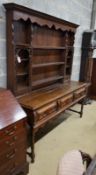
<point x="42" y="51"/>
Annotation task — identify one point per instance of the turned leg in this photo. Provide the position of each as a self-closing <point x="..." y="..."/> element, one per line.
<point x="81" y="111"/>
<point x="32" y="145"/>
<point x="82" y="106"/>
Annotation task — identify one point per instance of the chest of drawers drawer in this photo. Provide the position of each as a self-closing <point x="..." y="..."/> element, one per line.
<point x="13" y="155"/>
<point x="12" y="141"/>
<point x="79" y="93"/>
<point x="8" y="166"/>
<point x="13" y="129"/>
<point x="45" y="111"/>
<point x="64" y="101"/>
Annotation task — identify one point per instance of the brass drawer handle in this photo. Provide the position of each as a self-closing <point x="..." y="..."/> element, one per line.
<point x="10" y="132"/>
<point x="11" y="155"/>
<point x="10" y="144"/>
<point x="12" y="169"/>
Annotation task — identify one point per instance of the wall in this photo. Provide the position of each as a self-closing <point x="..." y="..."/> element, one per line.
<point x="75" y="11"/>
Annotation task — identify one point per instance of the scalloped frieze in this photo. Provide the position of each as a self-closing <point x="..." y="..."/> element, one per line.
<point x="43" y="21"/>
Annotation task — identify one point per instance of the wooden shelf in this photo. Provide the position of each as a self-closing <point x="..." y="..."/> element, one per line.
<point x="38" y="82"/>
<point x="26" y="45"/>
<point x="68" y="66"/>
<point x="22" y="74"/>
<point x="42" y="50"/>
<point x="70" y="48"/>
<point x="22" y="87"/>
<point x="24" y="59"/>
<point x="49" y="47"/>
<point x="48" y="64"/>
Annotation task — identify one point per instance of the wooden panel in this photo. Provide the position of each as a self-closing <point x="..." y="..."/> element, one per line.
<point x="79" y="93"/>
<point x="45" y="111"/>
<point x="11" y="163"/>
<point x="64" y="101"/>
<point x="12" y="130"/>
<point x="9" y="143"/>
<point x="13" y="154"/>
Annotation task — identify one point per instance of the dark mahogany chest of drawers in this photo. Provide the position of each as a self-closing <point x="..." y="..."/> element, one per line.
<point x="12" y="136"/>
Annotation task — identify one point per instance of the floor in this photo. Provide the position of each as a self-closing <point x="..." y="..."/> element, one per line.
<point x="66" y="133"/>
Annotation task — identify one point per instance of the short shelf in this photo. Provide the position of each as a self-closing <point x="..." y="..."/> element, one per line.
<point x="22" y="74"/>
<point x="22" y="87"/>
<point x="26" y="45"/>
<point x="38" y="82"/>
<point x="49" y="47"/>
<point x="24" y="59"/>
<point x="48" y="64"/>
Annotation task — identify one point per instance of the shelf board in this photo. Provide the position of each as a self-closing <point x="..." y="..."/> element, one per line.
<point x="48" y="47"/>
<point x="68" y="66"/>
<point x="22" y="74"/>
<point x="24" y="59"/>
<point x="22" y="87"/>
<point x="48" y="64"/>
<point x="23" y="45"/>
<point x="38" y="82"/>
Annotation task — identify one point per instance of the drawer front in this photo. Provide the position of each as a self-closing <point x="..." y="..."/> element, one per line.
<point x="13" y="129"/>
<point x="12" y="165"/>
<point x="8" y="143"/>
<point x="45" y="111"/>
<point x="80" y="93"/>
<point x="64" y="101"/>
<point x="14" y="155"/>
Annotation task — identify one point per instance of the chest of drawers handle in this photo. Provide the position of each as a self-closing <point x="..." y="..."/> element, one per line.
<point x="10" y="144"/>
<point x="11" y="155"/>
<point x="8" y="132"/>
<point x="13" y="168"/>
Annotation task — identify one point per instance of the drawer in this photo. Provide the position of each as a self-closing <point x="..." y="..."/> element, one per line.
<point x="11" y="142"/>
<point x="79" y="93"/>
<point x="64" y="101"/>
<point x="12" y="129"/>
<point x="14" y="155"/>
<point x="45" y="111"/>
<point x="11" y="166"/>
